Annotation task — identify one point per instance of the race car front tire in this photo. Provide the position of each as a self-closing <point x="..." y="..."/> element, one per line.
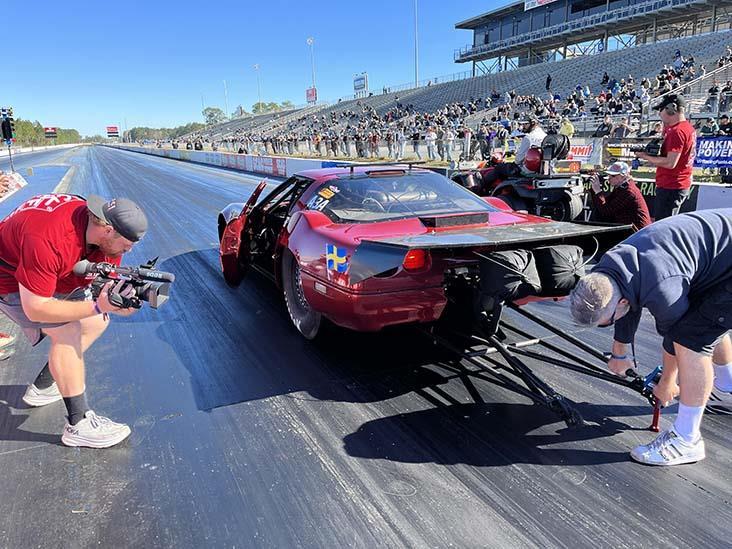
<point x="306" y="320"/>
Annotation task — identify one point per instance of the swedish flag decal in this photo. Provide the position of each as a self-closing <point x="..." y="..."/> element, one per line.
<point x="336" y="258"/>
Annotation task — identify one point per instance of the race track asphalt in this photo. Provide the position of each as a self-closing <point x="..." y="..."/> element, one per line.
<point x="244" y="435"/>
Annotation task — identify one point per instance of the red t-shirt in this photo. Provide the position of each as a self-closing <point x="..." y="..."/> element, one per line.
<point x="41" y="241"/>
<point x="679" y="138"/>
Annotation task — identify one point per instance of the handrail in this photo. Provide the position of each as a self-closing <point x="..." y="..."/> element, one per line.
<point x="652" y="6"/>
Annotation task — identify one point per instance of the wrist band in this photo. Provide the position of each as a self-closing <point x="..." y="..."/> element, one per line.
<point x="97" y="309"/>
<point x="618" y="357"/>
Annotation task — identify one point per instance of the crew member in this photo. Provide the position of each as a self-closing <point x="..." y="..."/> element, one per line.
<point x="674" y="165"/>
<point x="680" y="269"/>
<point x="625" y="203"/>
<point x="40" y="242"/>
<point x="534" y="134"/>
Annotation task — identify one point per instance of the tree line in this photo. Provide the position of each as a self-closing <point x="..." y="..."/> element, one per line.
<point x="31" y="134"/>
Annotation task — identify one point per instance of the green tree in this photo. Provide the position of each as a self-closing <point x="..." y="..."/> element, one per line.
<point x="286" y="105"/>
<point x="213" y="115"/>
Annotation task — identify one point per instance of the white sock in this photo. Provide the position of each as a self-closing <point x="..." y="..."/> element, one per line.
<point x="723" y="377"/>
<point x="688" y="421"/>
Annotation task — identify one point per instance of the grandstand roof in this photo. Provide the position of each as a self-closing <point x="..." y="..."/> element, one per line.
<point x="478" y="20"/>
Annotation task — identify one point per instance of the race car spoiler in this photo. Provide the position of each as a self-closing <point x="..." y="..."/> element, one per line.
<point x="376" y="256"/>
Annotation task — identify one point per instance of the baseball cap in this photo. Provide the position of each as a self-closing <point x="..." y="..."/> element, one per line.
<point x="668" y="100"/>
<point x="618" y="168"/>
<point x="122" y="214"/>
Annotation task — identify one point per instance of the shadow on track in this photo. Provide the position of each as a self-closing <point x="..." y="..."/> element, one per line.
<point x="239" y="345"/>
<point x="10" y="398"/>
<point x="490" y="435"/>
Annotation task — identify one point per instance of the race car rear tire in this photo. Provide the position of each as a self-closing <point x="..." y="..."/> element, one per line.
<point x="306" y="320"/>
<point x="571" y="208"/>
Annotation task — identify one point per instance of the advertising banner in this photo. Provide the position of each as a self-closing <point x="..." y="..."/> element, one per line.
<point x="361" y="82"/>
<point x="311" y="95"/>
<point x="531" y="4"/>
<point x="586" y="151"/>
<point x="713" y="152"/>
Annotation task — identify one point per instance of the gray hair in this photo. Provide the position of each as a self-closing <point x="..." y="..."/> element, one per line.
<point x="594" y="297"/>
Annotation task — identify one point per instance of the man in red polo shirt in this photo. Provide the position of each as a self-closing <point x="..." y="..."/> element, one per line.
<point x="40" y="242"/>
<point x="674" y="166"/>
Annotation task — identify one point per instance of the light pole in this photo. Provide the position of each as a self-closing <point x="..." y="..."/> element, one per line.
<point x="259" y="90"/>
<point x="226" y="99"/>
<point x="416" y="48"/>
<point x="310" y="42"/>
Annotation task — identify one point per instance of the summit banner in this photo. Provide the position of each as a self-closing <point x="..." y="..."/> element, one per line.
<point x="531" y="4"/>
<point x="713" y="152"/>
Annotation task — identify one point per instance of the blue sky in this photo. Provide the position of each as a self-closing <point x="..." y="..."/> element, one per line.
<point x="83" y="64"/>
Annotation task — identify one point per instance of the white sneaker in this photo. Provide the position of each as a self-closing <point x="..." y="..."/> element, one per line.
<point x="95" y="432"/>
<point x="669" y="449"/>
<point x="40" y="397"/>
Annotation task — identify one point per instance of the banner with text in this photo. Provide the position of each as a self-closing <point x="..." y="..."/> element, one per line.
<point x="713" y="152"/>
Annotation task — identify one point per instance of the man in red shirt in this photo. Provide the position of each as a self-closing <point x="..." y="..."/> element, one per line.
<point x="40" y="242"/>
<point x="625" y="204"/>
<point x="674" y="166"/>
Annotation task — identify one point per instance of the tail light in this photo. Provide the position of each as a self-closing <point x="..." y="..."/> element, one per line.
<point x="416" y="260"/>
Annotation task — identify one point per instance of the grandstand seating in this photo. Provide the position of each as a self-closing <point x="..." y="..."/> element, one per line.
<point x="640" y="61"/>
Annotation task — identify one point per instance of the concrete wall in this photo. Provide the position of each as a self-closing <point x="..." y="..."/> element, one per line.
<point x="707" y="195"/>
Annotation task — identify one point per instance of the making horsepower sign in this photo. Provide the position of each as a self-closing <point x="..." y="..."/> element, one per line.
<point x="713" y="152"/>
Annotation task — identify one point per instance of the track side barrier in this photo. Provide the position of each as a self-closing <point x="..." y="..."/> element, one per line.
<point x="704" y="195"/>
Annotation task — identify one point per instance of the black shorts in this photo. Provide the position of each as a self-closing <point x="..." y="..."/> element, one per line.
<point x="708" y="319"/>
<point x="668" y="202"/>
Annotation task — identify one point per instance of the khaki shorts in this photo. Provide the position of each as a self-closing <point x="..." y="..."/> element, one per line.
<point x="11" y="307"/>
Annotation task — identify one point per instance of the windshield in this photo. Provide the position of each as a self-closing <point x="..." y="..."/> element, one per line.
<point x="380" y="197"/>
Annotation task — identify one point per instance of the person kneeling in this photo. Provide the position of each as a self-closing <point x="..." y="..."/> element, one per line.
<point x="625" y="203"/>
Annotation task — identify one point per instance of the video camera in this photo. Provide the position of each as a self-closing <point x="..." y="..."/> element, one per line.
<point x="652" y="148"/>
<point x="149" y="284"/>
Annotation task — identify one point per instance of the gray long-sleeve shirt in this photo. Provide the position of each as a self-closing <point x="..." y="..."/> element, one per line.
<point x="660" y="266"/>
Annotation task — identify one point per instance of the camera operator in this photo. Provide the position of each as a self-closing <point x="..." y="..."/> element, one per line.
<point x="40" y="242"/>
<point x="674" y="165"/>
<point x="625" y="203"/>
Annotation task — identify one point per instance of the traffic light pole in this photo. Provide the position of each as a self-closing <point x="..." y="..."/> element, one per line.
<point x="10" y="156"/>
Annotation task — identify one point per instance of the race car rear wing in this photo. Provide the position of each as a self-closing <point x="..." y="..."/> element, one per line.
<point x="376" y="256"/>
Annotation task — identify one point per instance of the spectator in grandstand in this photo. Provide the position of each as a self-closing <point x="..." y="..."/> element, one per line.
<point x="725" y="98"/>
<point x="548" y="82"/>
<point x="625" y="203"/>
<point x="416" y="137"/>
<point x="656" y="130"/>
<point x="725" y="126"/>
<point x="566" y="127"/>
<point x="679" y="269"/>
<point x="622" y="130"/>
<point x="708" y="127"/>
<point x="449" y="142"/>
<point x="605" y="128"/>
<point x="430" y="137"/>
<point x="674" y="165"/>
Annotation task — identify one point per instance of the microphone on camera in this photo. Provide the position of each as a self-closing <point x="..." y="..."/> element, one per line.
<point x="84" y="267"/>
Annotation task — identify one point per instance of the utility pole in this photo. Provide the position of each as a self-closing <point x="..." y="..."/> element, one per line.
<point x="416" y="48"/>
<point x="310" y="42"/>
<point x="259" y="90"/>
<point x="226" y="99"/>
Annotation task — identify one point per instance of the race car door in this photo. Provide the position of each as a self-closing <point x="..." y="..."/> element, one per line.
<point x="234" y="246"/>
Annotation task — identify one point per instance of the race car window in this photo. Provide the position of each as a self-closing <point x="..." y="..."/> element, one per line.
<point x="285" y="195"/>
<point x="371" y="197"/>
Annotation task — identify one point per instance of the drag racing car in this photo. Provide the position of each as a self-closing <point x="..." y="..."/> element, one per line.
<point x="371" y="246"/>
<point x="550" y="186"/>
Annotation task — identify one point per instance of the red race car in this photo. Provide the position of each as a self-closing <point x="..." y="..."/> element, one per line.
<point x="372" y="246"/>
